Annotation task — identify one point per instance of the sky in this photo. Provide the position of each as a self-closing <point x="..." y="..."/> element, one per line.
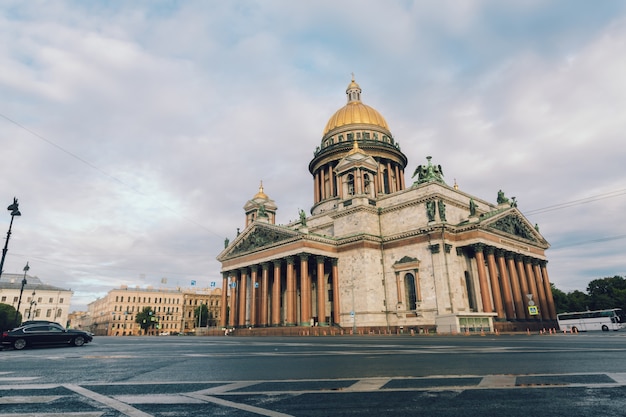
<point x="133" y="133"/>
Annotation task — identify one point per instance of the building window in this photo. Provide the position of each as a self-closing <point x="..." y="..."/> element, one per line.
<point x="15" y="299"/>
<point x="60" y="301"/>
<point x="59" y="312"/>
<point x="410" y="293"/>
<point x="4" y="298"/>
<point x="351" y="184"/>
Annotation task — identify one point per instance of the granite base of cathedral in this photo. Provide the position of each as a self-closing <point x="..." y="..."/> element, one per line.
<point x="534" y="326"/>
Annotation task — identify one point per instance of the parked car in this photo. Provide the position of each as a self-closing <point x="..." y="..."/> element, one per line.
<point x="40" y="334"/>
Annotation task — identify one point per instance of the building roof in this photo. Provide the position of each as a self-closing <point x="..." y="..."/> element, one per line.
<point x="14" y="281"/>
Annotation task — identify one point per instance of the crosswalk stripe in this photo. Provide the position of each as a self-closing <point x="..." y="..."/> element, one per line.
<point x="76" y="414"/>
<point x="35" y="399"/>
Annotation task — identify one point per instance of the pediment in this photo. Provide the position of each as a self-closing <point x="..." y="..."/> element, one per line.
<point x="514" y="224"/>
<point x="259" y="236"/>
<point x="356" y="160"/>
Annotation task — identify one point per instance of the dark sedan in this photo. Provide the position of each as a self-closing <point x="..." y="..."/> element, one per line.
<point x="41" y="334"/>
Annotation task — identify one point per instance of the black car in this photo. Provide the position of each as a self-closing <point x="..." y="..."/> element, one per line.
<point x="40" y="334"/>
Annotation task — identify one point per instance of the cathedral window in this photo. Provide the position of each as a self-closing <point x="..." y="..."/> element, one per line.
<point x="410" y="292"/>
<point x="366" y="135"/>
<point x="351" y="184"/>
<point x="367" y="182"/>
<point x="340" y="138"/>
<point x="350" y="136"/>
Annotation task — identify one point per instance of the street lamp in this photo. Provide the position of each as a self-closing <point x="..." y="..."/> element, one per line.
<point x="19" y="301"/>
<point x="33" y="304"/>
<point x="14" y="209"/>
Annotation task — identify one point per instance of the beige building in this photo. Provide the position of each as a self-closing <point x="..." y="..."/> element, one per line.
<point x="374" y="254"/>
<point x="39" y="301"/>
<point x="115" y="313"/>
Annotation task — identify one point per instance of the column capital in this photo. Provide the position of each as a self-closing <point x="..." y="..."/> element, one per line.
<point x="320" y="259"/>
<point x="509" y="255"/>
<point x="290" y="260"/>
<point x="501" y="253"/>
<point x="478" y="247"/>
<point x="254" y="268"/>
<point x="265" y="266"/>
<point x="303" y="256"/>
<point x="335" y="261"/>
<point x="244" y="270"/>
<point x="490" y="250"/>
<point x="277" y="262"/>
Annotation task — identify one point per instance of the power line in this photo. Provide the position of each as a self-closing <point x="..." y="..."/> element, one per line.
<point x="585" y="242"/>
<point x="585" y="200"/>
<point x="106" y="174"/>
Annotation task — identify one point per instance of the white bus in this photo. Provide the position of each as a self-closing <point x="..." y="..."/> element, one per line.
<point x="582" y="321"/>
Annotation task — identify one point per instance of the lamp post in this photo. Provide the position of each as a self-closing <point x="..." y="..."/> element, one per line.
<point x="33" y="304"/>
<point x="19" y="301"/>
<point x="14" y="209"/>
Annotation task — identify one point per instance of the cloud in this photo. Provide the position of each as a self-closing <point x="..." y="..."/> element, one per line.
<point x="133" y="134"/>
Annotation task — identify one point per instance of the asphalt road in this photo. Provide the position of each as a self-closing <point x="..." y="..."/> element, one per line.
<point x="512" y="375"/>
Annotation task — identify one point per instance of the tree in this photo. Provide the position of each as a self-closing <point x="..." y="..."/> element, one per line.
<point x="607" y="292"/>
<point x="602" y="293"/>
<point x="7" y="317"/>
<point x="146" y="319"/>
<point x="201" y="313"/>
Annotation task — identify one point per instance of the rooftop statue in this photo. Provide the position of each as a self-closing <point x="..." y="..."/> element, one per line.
<point x="428" y="173"/>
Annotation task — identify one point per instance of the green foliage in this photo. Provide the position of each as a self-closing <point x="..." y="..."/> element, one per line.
<point x="146" y="319"/>
<point x="7" y="317"/>
<point x="601" y="294"/>
<point x="201" y="313"/>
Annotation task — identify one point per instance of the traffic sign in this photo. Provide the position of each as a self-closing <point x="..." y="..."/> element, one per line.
<point x="533" y="310"/>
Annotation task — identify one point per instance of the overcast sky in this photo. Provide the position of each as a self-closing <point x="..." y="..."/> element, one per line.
<point x="133" y="133"/>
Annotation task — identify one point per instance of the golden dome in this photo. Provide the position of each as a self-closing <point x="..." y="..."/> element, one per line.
<point x="355" y="112"/>
<point x="261" y="194"/>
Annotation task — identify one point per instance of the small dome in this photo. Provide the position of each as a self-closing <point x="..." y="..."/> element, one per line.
<point x="355" y="112"/>
<point x="261" y="194"/>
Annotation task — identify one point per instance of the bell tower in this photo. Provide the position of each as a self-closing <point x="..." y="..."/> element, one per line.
<point x="260" y="208"/>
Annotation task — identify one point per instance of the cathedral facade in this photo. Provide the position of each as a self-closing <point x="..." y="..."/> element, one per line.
<point x="375" y="253"/>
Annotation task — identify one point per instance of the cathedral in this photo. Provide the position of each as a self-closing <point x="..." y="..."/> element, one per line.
<point x="375" y="254"/>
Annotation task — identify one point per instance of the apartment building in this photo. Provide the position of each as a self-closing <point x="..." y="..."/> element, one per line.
<point x="174" y="310"/>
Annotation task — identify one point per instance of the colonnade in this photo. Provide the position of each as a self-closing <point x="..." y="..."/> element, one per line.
<point x="507" y="278"/>
<point x="294" y="290"/>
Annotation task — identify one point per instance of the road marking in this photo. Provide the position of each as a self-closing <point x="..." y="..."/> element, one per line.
<point x="158" y="399"/>
<point x="227" y="387"/>
<point x="497" y="381"/>
<point x="108" y="401"/>
<point x="369" y="384"/>
<point x="21" y="399"/>
<point x="18" y="378"/>
<point x="76" y="414"/>
<point x="244" y="407"/>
